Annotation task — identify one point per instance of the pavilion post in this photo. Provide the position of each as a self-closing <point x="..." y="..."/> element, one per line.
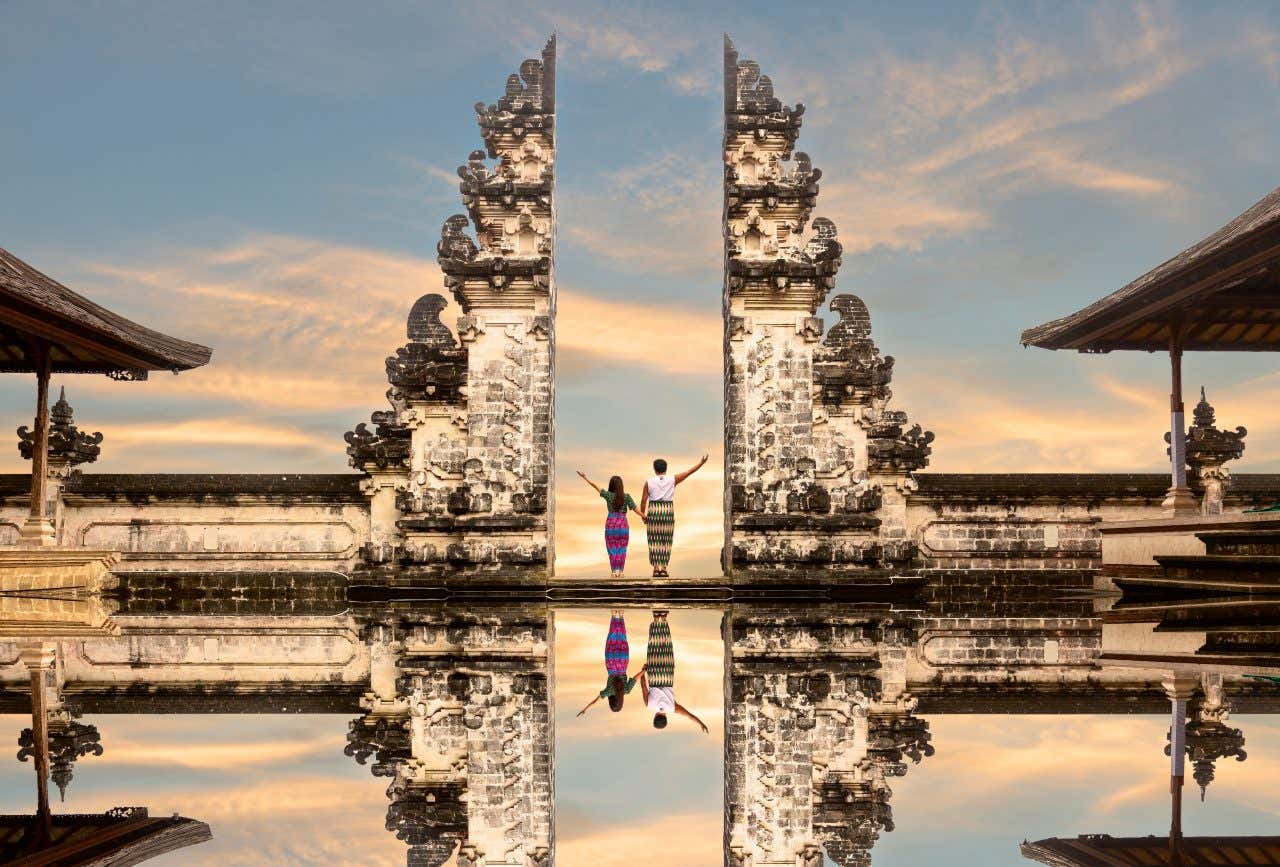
<point x="40" y="657"/>
<point x="1179" y="688"/>
<point x="1179" y="500"/>
<point x="37" y="530"/>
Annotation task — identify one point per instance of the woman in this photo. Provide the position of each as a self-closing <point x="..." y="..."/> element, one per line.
<point x="658" y="676"/>
<point x="658" y="508"/>
<point x="617" y="656"/>
<point x="617" y="533"/>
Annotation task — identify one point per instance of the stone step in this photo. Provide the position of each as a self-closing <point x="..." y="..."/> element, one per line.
<point x="1228" y="569"/>
<point x="1241" y="542"/>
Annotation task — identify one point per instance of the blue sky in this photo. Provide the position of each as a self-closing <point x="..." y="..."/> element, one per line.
<point x="270" y="179"/>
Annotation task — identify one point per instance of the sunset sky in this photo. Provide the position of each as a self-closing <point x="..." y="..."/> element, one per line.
<point x="269" y="179"/>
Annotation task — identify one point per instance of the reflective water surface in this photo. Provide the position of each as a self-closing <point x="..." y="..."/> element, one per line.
<point x="973" y="725"/>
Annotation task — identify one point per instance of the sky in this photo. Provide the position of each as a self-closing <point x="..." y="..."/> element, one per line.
<point x="269" y="179"/>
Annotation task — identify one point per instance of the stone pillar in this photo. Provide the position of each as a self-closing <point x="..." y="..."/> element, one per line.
<point x="816" y="467"/>
<point x="470" y="436"/>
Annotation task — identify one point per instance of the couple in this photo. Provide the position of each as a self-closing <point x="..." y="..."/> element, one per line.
<point x="657" y="676"/>
<point x="657" y="509"/>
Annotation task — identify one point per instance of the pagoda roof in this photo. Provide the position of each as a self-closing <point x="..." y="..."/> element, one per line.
<point x="1103" y="850"/>
<point x="1221" y="293"/>
<point x="83" y="337"/>
<point x="125" y="835"/>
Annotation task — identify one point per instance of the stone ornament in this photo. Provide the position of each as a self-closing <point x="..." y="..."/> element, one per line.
<point x="1208" y="450"/>
<point x="68" y="445"/>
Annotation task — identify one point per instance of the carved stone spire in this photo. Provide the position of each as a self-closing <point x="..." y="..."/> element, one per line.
<point x="509" y="206"/>
<point x="68" y="445"/>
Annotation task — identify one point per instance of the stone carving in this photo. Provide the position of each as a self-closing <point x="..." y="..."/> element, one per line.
<point x="69" y="740"/>
<point x="1208" y="739"/>
<point x="464" y="456"/>
<point x="890" y="448"/>
<point x="387" y="446"/>
<point x="849" y="368"/>
<point x="386" y="739"/>
<point x="68" y="445"/>
<point x="430" y="368"/>
<point x="1208" y="450"/>
<point x="816" y="465"/>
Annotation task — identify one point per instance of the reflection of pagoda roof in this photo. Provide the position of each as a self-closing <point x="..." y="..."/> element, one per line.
<point x="1103" y="850"/>
<point x="122" y="836"/>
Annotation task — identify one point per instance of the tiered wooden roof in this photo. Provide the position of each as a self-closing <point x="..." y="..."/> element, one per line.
<point x="1103" y="850"/>
<point x="125" y="835"/>
<point x="1222" y="293"/>
<point x="83" y="337"/>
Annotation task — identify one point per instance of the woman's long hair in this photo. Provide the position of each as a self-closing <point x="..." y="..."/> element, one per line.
<point x="619" y="684"/>
<point x="618" y="502"/>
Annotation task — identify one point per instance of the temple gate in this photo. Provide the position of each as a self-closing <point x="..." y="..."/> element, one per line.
<point x="459" y="469"/>
<point x="817" y="467"/>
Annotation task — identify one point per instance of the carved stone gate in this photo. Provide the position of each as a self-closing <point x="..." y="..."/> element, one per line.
<point x="460" y="468"/>
<point x="817" y="467"/>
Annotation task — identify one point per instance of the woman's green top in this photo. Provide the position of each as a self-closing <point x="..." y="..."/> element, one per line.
<point x="608" y="498"/>
<point x="608" y="690"/>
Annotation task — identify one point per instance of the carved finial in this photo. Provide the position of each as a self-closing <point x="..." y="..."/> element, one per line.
<point x="424" y="325"/>
<point x="1203" y="413"/>
<point x="823" y="246"/>
<point x="67" y="443"/>
<point x="61" y="413"/>
<point x="855" y="320"/>
<point x="455" y="243"/>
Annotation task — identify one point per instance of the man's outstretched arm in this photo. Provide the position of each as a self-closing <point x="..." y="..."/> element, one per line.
<point x="683" y="711"/>
<point x="680" y="477"/>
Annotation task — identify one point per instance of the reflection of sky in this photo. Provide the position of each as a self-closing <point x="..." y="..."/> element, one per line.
<point x="620" y="783"/>
<point x="997" y="780"/>
<point x="273" y="789"/>
<point x="278" y="790"/>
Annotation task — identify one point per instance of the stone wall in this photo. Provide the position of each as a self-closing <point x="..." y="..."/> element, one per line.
<point x="1043" y="522"/>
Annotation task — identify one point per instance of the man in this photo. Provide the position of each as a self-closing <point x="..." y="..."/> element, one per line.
<point x="658" y="508"/>
<point x="658" y="676"/>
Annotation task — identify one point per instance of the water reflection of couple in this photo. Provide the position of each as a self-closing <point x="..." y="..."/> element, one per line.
<point x="657" y="677"/>
<point x="657" y="509"/>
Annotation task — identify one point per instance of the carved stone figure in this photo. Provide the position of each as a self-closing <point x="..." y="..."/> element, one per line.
<point x="1208" y="450"/>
